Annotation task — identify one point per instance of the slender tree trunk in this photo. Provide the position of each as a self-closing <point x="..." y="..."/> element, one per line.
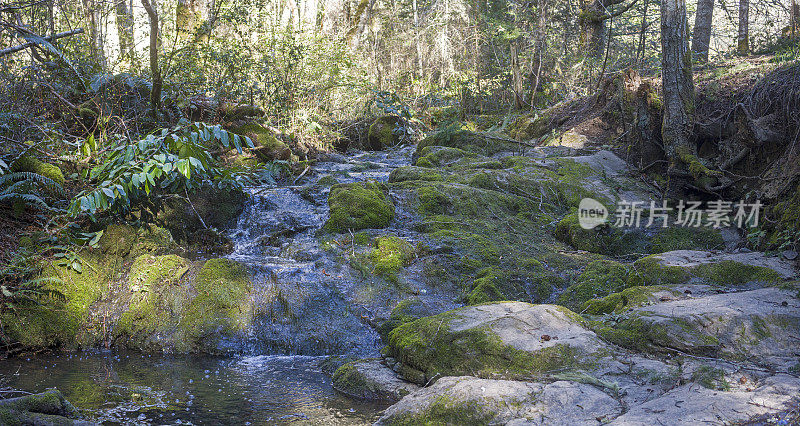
<point x="743" y="40"/>
<point x="702" y="29"/>
<point x="541" y="44"/>
<point x="642" y="35"/>
<point x="125" y="30"/>
<point x="678" y="86"/>
<point x="519" y="94"/>
<point x="794" y="20"/>
<point x="151" y="6"/>
<point x="90" y="12"/>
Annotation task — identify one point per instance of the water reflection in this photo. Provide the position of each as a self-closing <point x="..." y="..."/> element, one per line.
<point x="136" y="389"/>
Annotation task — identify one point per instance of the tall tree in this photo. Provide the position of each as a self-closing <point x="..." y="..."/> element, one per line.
<point x="151" y="6"/>
<point x="678" y="86"/>
<point x="592" y="19"/>
<point x="91" y="12"/>
<point x="743" y="39"/>
<point x="125" y="29"/>
<point x="702" y="29"/>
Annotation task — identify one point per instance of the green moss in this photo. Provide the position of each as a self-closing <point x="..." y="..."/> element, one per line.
<point x="411" y="173"/>
<point x="66" y="324"/>
<point x="696" y="167"/>
<point x="602" y="239"/>
<point x="617" y="302"/>
<point x="729" y="272"/>
<point x="434" y="156"/>
<point x="430" y="346"/>
<point x="30" y="164"/>
<point x="349" y="380"/>
<point x="599" y="279"/>
<point x="634" y="333"/>
<point x="358" y="206"/>
<point x="327" y="181"/>
<point x="447" y="411"/>
<point x="222" y="302"/>
<point x="684" y="238"/>
<point x="649" y="271"/>
<point x="485" y="290"/>
<point x="382" y="133"/>
<point x="477" y="143"/>
<point x="156" y="301"/>
<point x="118" y="239"/>
<point x="528" y="127"/>
<point x="432" y="201"/>
<point x="267" y="146"/>
<point x="389" y="255"/>
<point x="711" y="378"/>
<point x="406" y="311"/>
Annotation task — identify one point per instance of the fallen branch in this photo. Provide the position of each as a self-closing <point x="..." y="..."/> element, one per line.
<point x="53" y="37"/>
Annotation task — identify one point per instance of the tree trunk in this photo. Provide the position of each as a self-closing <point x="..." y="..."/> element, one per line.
<point x="125" y="30"/>
<point x="541" y="43"/>
<point x="678" y="87"/>
<point x="516" y="73"/>
<point x="91" y="14"/>
<point x="702" y="29"/>
<point x="794" y="20"/>
<point x="151" y="6"/>
<point x="592" y="27"/>
<point x="743" y="40"/>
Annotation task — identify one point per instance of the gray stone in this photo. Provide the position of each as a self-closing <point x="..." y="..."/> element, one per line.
<point x="692" y="404"/>
<point x="370" y="379"/>
<point x="469" y="400"/>
<point x="691" y="258"/>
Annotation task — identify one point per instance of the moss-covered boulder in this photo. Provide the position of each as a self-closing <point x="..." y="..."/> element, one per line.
<point x="370" y="379"/>
<point x="527" y="127"/>
<point x="508" y="340"/>
<point x="356" y="206"/>
<point x="222" y="310"/>
<point x="404" y="312"/>
<point x="46" y="408"/>
<point x="629" y="298"/>
<point x="760" y="326"/>
<point x="31" y="164"/>
<point x="468" y="141"/>
<point x="383" y="133"/>
<point x="267" y="146"/>
<point x="209" y="207"/>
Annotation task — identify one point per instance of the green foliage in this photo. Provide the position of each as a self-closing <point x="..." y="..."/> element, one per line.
<point x="138" y="175"/>
<point x="21" y="285"/>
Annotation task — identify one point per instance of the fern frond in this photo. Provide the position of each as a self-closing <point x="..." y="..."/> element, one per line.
<point x="29" y="199"/>
<point x="44" y="181"/>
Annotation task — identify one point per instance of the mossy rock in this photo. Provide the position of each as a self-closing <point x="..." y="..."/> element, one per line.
<point x="371" y="380"/>
<point x="411" y="173"/>
<point x="491" y="340"/>
<point x="602" y="239"/>
<point x="629" y="298"/>
<point x="382" y="133"/>
<point x="685" y="238"/>
<point x="527" y="127"/>
<point x="732" y="273"/>
<point x="267" y="146"/>
<point x="600" y="278"/>
<point x="389" y="255"/>
<point x="30" y="164"/>
<point x="356" y="206"/>
<point x="222" y="308"/>
<point x="157" y="300"/>
<point x="65" y="323"/>
<point x="465" y="140"/>
<point x="404" y="312"/>
<point x="218" y="209"/>
<point x="46" y="408"/>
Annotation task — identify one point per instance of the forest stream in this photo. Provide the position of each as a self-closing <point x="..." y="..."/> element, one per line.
<point x="270" y="383"/>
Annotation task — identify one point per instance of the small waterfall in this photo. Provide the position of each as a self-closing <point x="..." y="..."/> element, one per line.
<point x="303" y="295"/>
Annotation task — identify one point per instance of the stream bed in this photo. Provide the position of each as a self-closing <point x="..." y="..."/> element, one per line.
<point x="309" y="306"/>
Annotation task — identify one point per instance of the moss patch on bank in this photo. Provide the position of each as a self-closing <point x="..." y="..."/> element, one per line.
<point x="357" y="206"/>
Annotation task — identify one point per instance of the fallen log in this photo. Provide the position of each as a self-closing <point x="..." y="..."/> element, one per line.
<point x="53" y="37"/>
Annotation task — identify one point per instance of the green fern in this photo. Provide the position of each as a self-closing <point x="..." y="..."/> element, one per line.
<point x="26" y="189"/>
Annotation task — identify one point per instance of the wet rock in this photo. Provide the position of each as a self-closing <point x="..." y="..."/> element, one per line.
<point x="470" y="400"/>
<point x="506" y="340"/>
<point x="693" y="404"/>
<point x="370" y="379"/>
<point x="760" y="326"/>
<point x="359" y="206"/>
<point x="45" y="409"/>
<point x="737" y="266"/>
<point x="382" y="133"/>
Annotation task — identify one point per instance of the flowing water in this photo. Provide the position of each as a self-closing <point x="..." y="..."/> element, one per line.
<point x="309" y="304"/>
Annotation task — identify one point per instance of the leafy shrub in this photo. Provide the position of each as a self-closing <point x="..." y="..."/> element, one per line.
<point x="139" y="176"/>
